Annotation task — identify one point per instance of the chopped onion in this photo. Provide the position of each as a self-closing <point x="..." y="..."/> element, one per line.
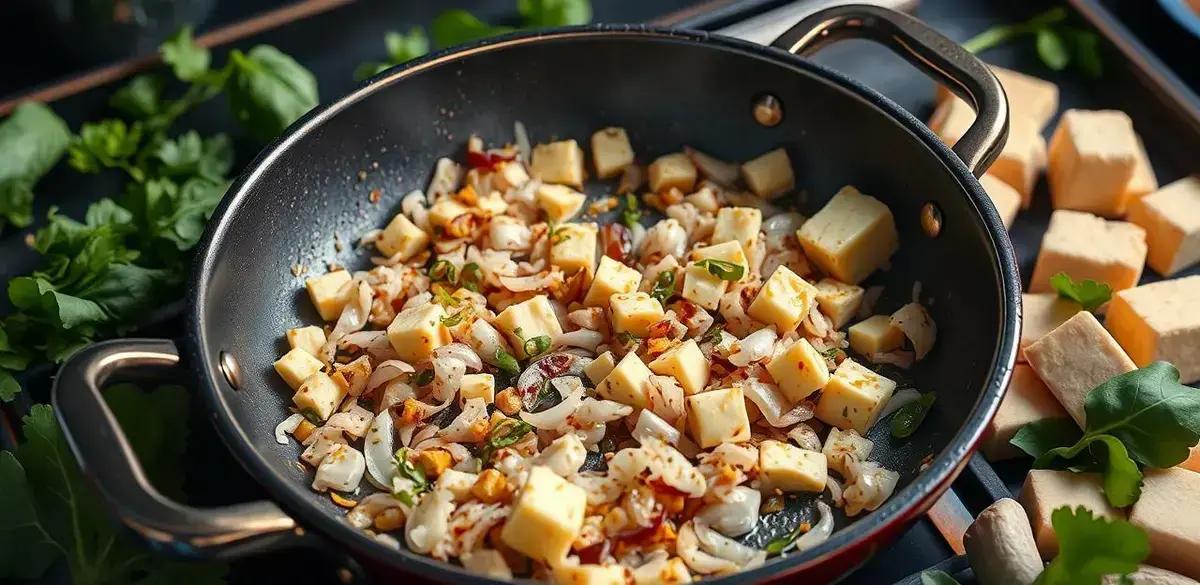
<point x="717" y="170"/>
<point x="917" y="326"/>
<point x="869" y="485"/>
<point x="556" y="416"/>
<point x="342" y="470"/>
<point x="687" y="546"/>
<point x="353" y="422"/>
<point x="736" y="514"/>
<point x="353" y="318"/>
<point x="666" y="398"/>
<point x="898" y="400"/>
<point x="429" y="522"/>
<point x="288" y="425"/>
<point x="652" y="425"/>
<point x="447" y="377"/>
<point x="532" y="282"/>
<point x="754" y="347"/>
<point x="592" y="411"/>
<point x="371" y="506"/>
<point x="783" y="224"/>
<point x="582" y="338"/>
<point x="461" y="352"/>
<point x="521" y="136"/>
<point x="819" y="533"/>
<point x="771" y="402"/>
<point x="447" y="175"/>
<point x="835" y="490"/>
<point x="461" y="428"/>
<point x="387" y="371"/>
<point x="805" y="437"/>
<point x="724" y="547"/>
<point x="378" y="451"/>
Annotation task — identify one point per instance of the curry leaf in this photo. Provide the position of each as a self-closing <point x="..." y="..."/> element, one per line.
<point x="1090" y="547"/>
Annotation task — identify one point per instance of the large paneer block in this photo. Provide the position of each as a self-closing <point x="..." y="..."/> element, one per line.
<point x="320" y="395"/>
<point x="611" y="278"/>
<point x="611" y="152"/>
<point x="1171" y="218"/>
<point x="1166" y="511"/>
<point x="1022" y="157"/>
<point x="635" y="312"/>
<point x="783" y="301"/>
<point x="1027" y="400"/>
<point x="1160" y="321"/>
<point x="558" y="162"/>
<point x="1088" y="247"/>
<point x="851" y="237"/>
<point x="1041" y="314"/>
<point x="839" y="301"/>
<point x="799" y="370"/>
<point x="402" y="239"/>
<point x="526" y="320"/>
<point x="1076" y="357"/>
<point x="788" y="468"/>
<point x="1046" y="490"/>
<point x="687" y="364"/>
<point x="738" y="224"/>
<point x="296" y="366"/>
<point x="672" y="171"/>
<point x="546" y="517"/>
<point x="853" y="397"/>
<point x="627" y="383"/>
<point x="769" y="175"/>
<point x="1004" y="197"/>
<point x="417" y="331"/>
<point x="573" y="247"/>
<point x="444" y="210"/>
<point x="1092" y="158"/>
<point x="560" y="202"/>
<point x="326" y="293"/>
<point x="718" y="416"/>
<point x="875" y="334"/>
<point x="1028" y="96"/>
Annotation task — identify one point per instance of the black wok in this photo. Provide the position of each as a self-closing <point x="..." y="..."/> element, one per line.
<point x="668" y="88"/>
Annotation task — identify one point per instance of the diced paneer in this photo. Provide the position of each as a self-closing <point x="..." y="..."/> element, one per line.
<point x="309" y="339"/>
<point x="853" y="397"/>
<point x="417" y="331"/>
<point x="1174" y="532"/>
<point x="573" y="247"/>
<point x="1171" y="218"/>
<point x="851" y="237"/>
<point x="402" y="239"/>
<point x="842" y="446"/>
<point x="600" y="368"/>
<point x="686" y="363"/>
<point x="526" y="320"/>
<point x="875" y="335"/>
<point x="1041" y="314"/>
<point x="738" y="224"/>
<point x="509" y="175"/>
<point x="1076" y="357"/>
<point x="1092" y="156"/>
<point x="1022" y="157"/>
<point x="627" y="383"/>
<point x="1160" y="321"/>
<point x="560" y="203"/>
<point x="320" y="395"/>
<point x="799" y="370"/>
<point x="611" y="152"/>
<point x="546" y="517"/>
<point x="718" y="416"/>
<point x="672" y="171"/>
<point x="791" y="469"/>
<point x="783" y="301"/>
<point x="702" y="287"/>
<point x="492" y="204"/>
<point x="730" y="251"/>
<point x="769" y="175"/>
<point x="1006" y="199"/>
<point x="558" y="162"/>
<point x="589" y="575"/>
<point x="296" y="366"/>
<point x="445" y="210"/>
<point x="1028" y="96"/>
<point x="478" y="386"/>
<point x="1046" y="490"/>
<point x="326" y="293"/>
<point x="1144" y="180"/>
<point x="839" y="301"/>
<point x="1088" y="247"/>
<point x="1028" y="400"/>
<point x="635" y="312"/>
<point x="611" y="278"/>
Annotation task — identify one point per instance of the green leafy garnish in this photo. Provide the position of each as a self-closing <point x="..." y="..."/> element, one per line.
<point x="538" y="13"/>
<point x="455" y="27"/>
<point x="713" y="335"/>
<point x="32" y="139"/>
<point x="909" y="417"/>
<point x="937" y="578"/>
<point x="627" y="338"/>
<point x="1088" y="293"/>
<point x="831" y="353"/>
<point x="268" y="90"/>
<point x="188" y="60"/>
<point x="722" y="269"/>
<point x="664" y="287"/>
<point x="311" y="416"/>
<point x="401" y="48"/>
<point x="1090" y="547"/>
<point x="455" y="319"/>
<point x="444" y="298"/>
<point x="107" y="144"/>
<point x="423" y="377"/>
<point x="413" y="473"/>
<point x="503" y="434"/>
<point x="443" y="271"/>
<point x="506" y="362"/>
<point x="1058" y="44"/>
<point x="471" y="277"/>
<point x="630" y="216"/>
<point x="535" y="346"/>
<point x="776" y="545"/>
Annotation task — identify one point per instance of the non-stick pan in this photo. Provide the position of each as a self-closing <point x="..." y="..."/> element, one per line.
<point x="668" y="88"/>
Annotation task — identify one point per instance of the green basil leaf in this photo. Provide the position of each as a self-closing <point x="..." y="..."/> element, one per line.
<point x="269" y="90"/>
<point x="455" y="27"/>
<point x="1091" y="547"/>
<point x="1090" y="294"/>
<point x="722" y="269"/>
<point x="188" y="60"/>
<point x="545" y="13"/>
<point x="1052" y="49"/>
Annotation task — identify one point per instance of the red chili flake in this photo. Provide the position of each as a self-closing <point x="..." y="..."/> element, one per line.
<point x="487" y="160"/>
<point x="555" y="365"/>
<point x="592" y="555"/>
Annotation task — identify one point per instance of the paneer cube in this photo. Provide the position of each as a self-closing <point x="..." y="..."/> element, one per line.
<point x="573" y="247"/>
<point x="635" y="312"/>
<point x="672" y="171"/>
<point x="296" y="366"/>
<point x="1144" y="180"/>
<point x="1076" y="357"/>
<point x="627" y="383"/>
<point x="1092" y="157"/>
<point x="738" y="224"/>
<point x="769" y="175"/>
<point x="876" y="334"/>
<point x="730" y="251"/>
<point x="1160" y="321"/>
<point x="1088" y="247"/>
<point x="853" y="397"/>
<point x="842" y="446"/>
<point x="686" y="363"/>
<point x="417" y="331"/>
<point x="1022" y="157"/>
<point x="799" y="370"/>
<point x="509" y="175"/>
<point x="1041" y="314"/>
<point x="611" y="278"/>
<point x="402" y="239"/>
<point x="1046" y="490"/>
<point x="492" y="204"/>
<point x="442" y="212"/>
<point x="1174" y="532"/>
<point x="839" y="301"/>
<point x="326" y="293"/>
<point x="1171" y="218"/>
<point x="478" y="386"/>
<point x="560" y="202"/>
<point x="1006" y="199"/>
<point x="320" y="395"/>
<point x="589" y="575"/>
<point x="718" y="416"/>
<point x="600" y="368"/>
<point x="789" y="468"/>
<point x="1028" y="96"/>
<point x="851" y="237"/>
<point x="310" y="339"/>
<point x="702" y="287"/>
<point x="1028" y="400"/>
<point x="558" y="162"/>
<point x="783" y="301"/>
<point x="611" y="152"/>
<point x="545" y="518"/>
<point x="526" y="320"/>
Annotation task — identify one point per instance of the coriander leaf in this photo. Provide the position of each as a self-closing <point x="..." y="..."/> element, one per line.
<point x="9" y="388"/>
<point x="1090" y="294"/>
<point x="541" y="13"/>
<point x="1052" y="49"/>
<point x="16" y="203"/>
<point x="1091" y="547"/>
<point x="26" y="551"/>
<point x="139" y="99"/>
<point x="171" y="213"/>
<point x="937" y="578"/>
<point x="106" y="144"/>
<point x="1001" y="34"/>
<point x="188" y="155"/>
<point x="269" y="90"/>
<point x="664" y="287"/>
<point x="1156" y="417"/>
<point x="405" y="47"/>
<point x="32" y="139"/>
<point x="455" y="27"/>
<point x="188" y="60"/>
<point x="722" y="269"/>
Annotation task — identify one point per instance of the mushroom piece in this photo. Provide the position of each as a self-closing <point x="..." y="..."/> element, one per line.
<point x="1000" y="546"/>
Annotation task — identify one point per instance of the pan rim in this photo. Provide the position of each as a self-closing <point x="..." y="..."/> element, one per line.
<point x="905" y="505"/>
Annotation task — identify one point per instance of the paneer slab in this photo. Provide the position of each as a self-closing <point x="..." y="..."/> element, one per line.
<point x="1046" y="490"/>
<point x="442" y="212"/>
<point x="417" y="331"/>
<point x="1041" y="314"/>
<point x="718" y="416"/>
<point x="611" y="152"/>
<point x="1160" y="321"/>
<point x="402" y="239"/>
<point x="558" y="162"/>
<point x="1006" y="199"/>
<point x="546" y="517"/>
<point x="672" y="171"/>
<point x="769" y="175"/>
<point x="1171" y="218"/>
<point x="788" y="468"/>
<point x="573" y="247"/>
<point x="853" y="397"/>
<point x="611" y="278"/>
<point x="1166" y="511"/>
<point x="783" y="301"/>
<point x="326" y="294"/>
<point x="296" y="366"/>
<point x="635" y="312"/>
<point x="526" y="320"/>
<point x="1076" y="357"/>
<point x="843" y="446"/>
<point x="627" y="383"/>
<point x="1143" y="180"/>
<point x="687" y="364"/>
<point x="1028" y="400"/>
<point x="1092" y="158"/>
<point x="739" y="224"/>
<point x="839" y="301"/>
<point x="599" y="368"/>
<point x="320" y="394"/>
<point x="1088" y="247"/>
<point x="799" y="370"/>
<point x="851" y="237"/>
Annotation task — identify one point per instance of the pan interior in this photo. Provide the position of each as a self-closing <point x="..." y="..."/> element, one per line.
<point x="307" y="203"/>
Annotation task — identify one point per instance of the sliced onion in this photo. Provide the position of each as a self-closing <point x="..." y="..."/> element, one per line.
<point x="556" y="416"/>
<point x="669" y="465"/>
<point x="288" y="425"/>
<point x="652" y="425"/>
<point x="756" y="346"/>
<point x="371" y="506"/>
<point x="342" y="470"/>
<point x="461" y="428"/>
<point x="805" y="437"/>
<point x="917" y="326"/>
<point x="447" y="175"/>
<point x="773" y="404"/>
<point x="395" y="393"/>
<point x="819" y="533"/>
<point x="666" y="398"/>
<point x="687" y="546"/>
<point x="353" y="318"/>
<point x="426" y="410"/>
<point x="734" y="516"/>
<point x="899" y="358"/>
<point x="783" y="224"/>
<point x="521" y="136"/>
<point x="532" y="282"/>
<point x="447" y="377"/>
<point x="487" y="562"/>
<point x="715" y="169"/>
<point x="582" y="338"/>
<point x="870" y="298"/>
<point x="387" y="371"/>
<point x="429" y="522"/>
<point x="375" y="343"/>
<point x="898" y="400"/>
<point x="665" y="238"/>
<point x="592" y="411"/>
<point x="379" y="449"/>
<point x="354" y="422"/>
<point x="486" y="339"/>
<point x="836" y="490"/>
<point x="461" y="352"/>
<point x="727" y="548"/>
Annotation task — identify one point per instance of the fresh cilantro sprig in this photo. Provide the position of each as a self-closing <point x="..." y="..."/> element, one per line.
<point x="664" y="287"/>
<point x="1058" y="44"/>
<point x="503" y="434"/>
<point x="1090" y="294"/>
<point x="1090" y="547"/>
<point x="413" y="473"/>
